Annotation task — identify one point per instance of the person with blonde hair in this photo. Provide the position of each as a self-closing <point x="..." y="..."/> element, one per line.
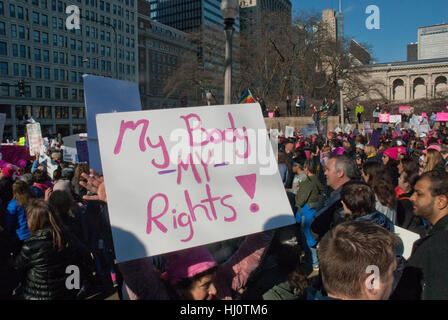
<point x="433" y="160"/>
<point x="370" y="152"/>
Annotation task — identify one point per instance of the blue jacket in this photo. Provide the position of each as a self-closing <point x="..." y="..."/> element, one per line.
<point x="16" y="222"/>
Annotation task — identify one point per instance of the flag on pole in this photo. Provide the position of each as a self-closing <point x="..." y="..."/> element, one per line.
<point x="246" y="97"/>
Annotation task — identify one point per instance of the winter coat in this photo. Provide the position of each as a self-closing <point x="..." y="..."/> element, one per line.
<point x="283" y="291"/>
<point x="379" y="219"/>
<point x="43" y="268"/>
<point x="16" y="221"/>
<point x="8" y="277"/>
<point x="142" y="282"/>
<point x="309" y="192"/>
<point x="405" y="216"/>
<point x="425" y="275"/>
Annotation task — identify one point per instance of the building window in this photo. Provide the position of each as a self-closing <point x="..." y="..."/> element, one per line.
<point x="65" y="95"/>
<point x="79" y="45"/>
<point x="35" y="17"/>
<point x="46" y="73"/>
<point x="43" y="112"/>
<point x="44" y="38"/>
<point x="21" y="31"/>
<point x="16" y="69"/>
<point x="12" y="11"/>
<point x="56" y="74"/>
<point x="61" y="112"/>
<point x="13" y="31"/>
<point x="44" y="20"/>
<point x="38" y="72"/>
<point x="2" y="10"/>
<point x="20" y="13"/>
<point x="61" y="58"/>
<point x="73" y="76"/>
<point x="36" y="36"/>
<point x="47" y="92"/>
<point x="74" y="94"/>
<point x="23" y="70"/>
<point x="62" y="74"/>
<point x="15" y="50"/>
<point x="3" y="49"/>
<point x="57" y="93"/>
<point x="38" y="91"/>
<point x="73" y="60"/>
<point x="60" y="24"/>
<point x="78" y="112"/>
<point x="37" y="56"/>
<point x="2" y="28"/>
<point x="46" y="56"/>
<point x="3" y="68"/>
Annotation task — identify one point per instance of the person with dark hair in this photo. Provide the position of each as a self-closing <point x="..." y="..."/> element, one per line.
<point x="425" y="275"/>
<point x="41" y="183"/>
<point x="347" y="252"/>
<point x="358" y="200"/>
<point x="405" y="210"/>
<point x="390" y="160"/>
<point x="46" y="254"/>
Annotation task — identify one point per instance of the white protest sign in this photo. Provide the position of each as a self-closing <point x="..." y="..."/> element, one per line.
<point x="396" y="118"/>
<point x="70" y="141"/>
<point x="69" y="154"/>
<point x="408" y="238"/>
<point x="34" y="138"/>
<point x="347" y="128"/>
<point x="273" y="137"/>
<point x="104" y="95"/>
<point x="2" y="125"/>
<point x="184" y="177"/>
<point x="424" y="128"/>
<point x="49" y="163"/>
<point x="289" y="132"/>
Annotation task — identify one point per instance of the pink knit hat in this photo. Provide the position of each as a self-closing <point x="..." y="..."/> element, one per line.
<point x="338" y="151"/>
<point x="392" y="153"/>
<point x="8" y="172"/>
<point x="187" y="263"/>
<point x="434" y="146"/>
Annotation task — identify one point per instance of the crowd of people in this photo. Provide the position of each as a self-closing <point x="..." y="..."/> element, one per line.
<point x="348" y="195"/>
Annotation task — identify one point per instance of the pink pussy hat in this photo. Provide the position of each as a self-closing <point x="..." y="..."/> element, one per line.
<point x="8" y="172"/>
<point x="392" y="153"/>
<point x="187" y="263"/>
<point x="434" y="146"/>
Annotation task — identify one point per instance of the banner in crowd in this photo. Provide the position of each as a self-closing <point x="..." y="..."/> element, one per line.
<point x="104" y="95"/>
<point x="184" y="177"/>
<point x="289" y="132"/>
<point x="404" y="109"/>
<point x="82" y="151"/>
<point x="2" y="125"/>
<point x="367" y="129"/>
<point x="309" y="130"/>
<point x="376" y="114"/>
<point x="69" y="154"/>
<point x="395" y="118"/>
<point x="384" y="117"/>
<point x="34" y="138"/>
<point x="17" y="155"/>
<point x="442" y="116"/>
<point x="247" y="97"/>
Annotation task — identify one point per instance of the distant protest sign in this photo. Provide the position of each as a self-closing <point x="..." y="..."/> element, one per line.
<point x="82" y="151"/>
<point x="395" y="118"/>
<point x="442" y="116"/>
<point x="384" y="117"/>
<point x="184" y="177"/>
<point x="404" y="109"/>
<point x="309" y="130"/>
<point x="289" y="132"/>
<point x="103" y="95"/>
<point x="69" y="154"/>
<point x="34" y="138"/>
<point x="408" y="238"/>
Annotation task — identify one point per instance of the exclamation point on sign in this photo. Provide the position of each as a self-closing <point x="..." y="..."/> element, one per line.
<point x="248" y="183"/>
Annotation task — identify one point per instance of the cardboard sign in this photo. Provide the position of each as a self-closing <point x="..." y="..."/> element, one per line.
<point x="289" y="132"/>
<point x="366" y="125"/>
<point x="442" y="116"/>
<point x="408" y="238"/>
<point x="69" y="154"/>
<point x="395" y="118"/>
<point x="104" y="95"/>
<point x="184" y="177"/>
<point x="82" y="151"/>
<point x="384" y="117"/>
<point x="2" y="125"/>
<point x="14" y="154"/>
<point x="404" y="109"/>
<point x="34" y="138"/>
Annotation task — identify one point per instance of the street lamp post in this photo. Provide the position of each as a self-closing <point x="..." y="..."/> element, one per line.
<point x="229" y="10"/>
<point x="341" y="86"/>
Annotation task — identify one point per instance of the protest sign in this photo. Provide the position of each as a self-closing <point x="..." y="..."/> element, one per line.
<point x="104" y="95"/>
<point x="395" y="118"/>
<point x="347" y="128"/>
<point x="82" y="151"/>
<point x="70" y="141"/>
<point x="34" y="138"/>
<point x="442" y="116"/>
<point x="184" y="177"/>
<point x="49" y="164"/>
<point x="376" y="114"/>
<point x="289" y="132"/>
<point x="21" y="141"/>
<point x="424" y="115"/>
<point x="384" y="117"/>
<point x="424" y="128"/>
<point x="271" y="114"/>
<point x="14" y="154"/>
<point x="404" y="109"/>
<point x="69" y="154"/>
<point x="309" y="130"/>
<point x="408" y="238"/>
<point x="2" y="125"/>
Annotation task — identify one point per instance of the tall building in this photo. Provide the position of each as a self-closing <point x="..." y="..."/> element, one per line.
<point x="204" y="17"/>
<point x="37" y="47"/>
<point x="412" y="52"/>
<point x="329" y="20"/>
<point x="160" y="47"/>
<point x="433" y="42"/>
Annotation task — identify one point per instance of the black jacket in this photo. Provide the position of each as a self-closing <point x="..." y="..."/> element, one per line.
<point x="425" y="276"/>
<point x="406" y="218"/>
<point x="43" y="269"/>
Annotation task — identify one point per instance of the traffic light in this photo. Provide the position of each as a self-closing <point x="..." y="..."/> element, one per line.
<point x="21" y="86"/>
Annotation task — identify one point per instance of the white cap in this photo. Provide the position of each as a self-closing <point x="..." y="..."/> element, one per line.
<point x="360" y="146"/>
